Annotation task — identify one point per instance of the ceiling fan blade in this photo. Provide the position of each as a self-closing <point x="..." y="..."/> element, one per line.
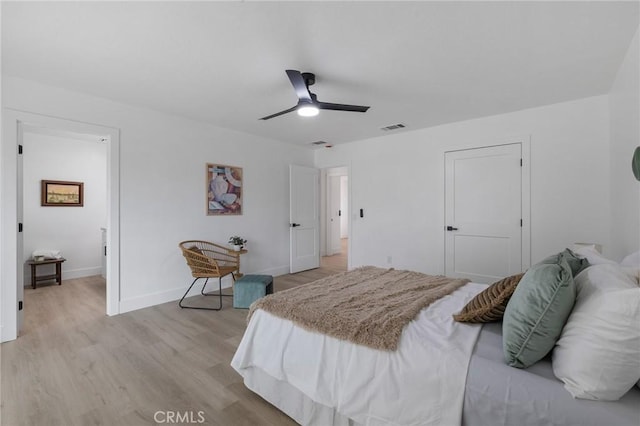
<point x="279" y="113"/>
<point x="299" y="85"/>
<point x="341" y="107"/>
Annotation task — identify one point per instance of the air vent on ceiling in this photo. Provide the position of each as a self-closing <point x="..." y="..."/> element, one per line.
<point x="393" y="127"/>
<point x="318" y="143"/>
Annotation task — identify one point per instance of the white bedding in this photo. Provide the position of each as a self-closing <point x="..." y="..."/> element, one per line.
<point x="422" y="383"/>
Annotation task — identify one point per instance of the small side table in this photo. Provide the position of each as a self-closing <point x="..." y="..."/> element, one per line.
<point x="237" y="254"/>
<point x="57" y="276"/>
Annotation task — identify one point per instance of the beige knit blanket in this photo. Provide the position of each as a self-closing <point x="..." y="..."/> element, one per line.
<point x="369" y="306"/>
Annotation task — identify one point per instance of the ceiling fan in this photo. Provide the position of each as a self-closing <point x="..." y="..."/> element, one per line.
<point x="308" y="103"/>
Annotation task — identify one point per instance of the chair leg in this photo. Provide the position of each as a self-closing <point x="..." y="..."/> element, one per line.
<point x="202" y="290"/>
<point x="219" y="288"/>
<point x="198" y="307"/>
<point x="219" y="291"/>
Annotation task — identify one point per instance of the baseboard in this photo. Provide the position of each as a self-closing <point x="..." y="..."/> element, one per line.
<point x="7" y="335"/>
<point x="280" y="270"/>
<point x="172" y="295"/>
<point x="81" y="273"/>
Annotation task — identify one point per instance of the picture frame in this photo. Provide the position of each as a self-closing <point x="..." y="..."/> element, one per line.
<point x="59" y="193"/>
<point x="223" y="190"/>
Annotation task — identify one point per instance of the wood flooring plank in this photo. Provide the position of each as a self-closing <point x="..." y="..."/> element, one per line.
<point x="73" y="365"/>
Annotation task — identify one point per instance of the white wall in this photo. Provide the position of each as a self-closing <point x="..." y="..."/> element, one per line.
<point x="624" y="101"/>
<point x="399" y="182"/>
<point x="162" y="188"/>
<point x="73" y="230"/>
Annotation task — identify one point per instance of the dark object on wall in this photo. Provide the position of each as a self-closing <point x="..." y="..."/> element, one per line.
<point x="308" y="103"/>
<point x="58" y="193"/>
<point x="635" y="163"/>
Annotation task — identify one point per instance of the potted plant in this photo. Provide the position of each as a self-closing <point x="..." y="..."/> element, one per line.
<point x="237" y="242"/>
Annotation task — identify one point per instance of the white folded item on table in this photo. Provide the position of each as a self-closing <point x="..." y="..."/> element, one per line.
<point x="46" y="254"/>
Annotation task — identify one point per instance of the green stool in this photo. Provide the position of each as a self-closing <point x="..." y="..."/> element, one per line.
<point x="250" y="288"/>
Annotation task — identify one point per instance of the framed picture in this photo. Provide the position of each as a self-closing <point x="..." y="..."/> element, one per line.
<point x="58" y="193"/>
<point x="224" y="190"/>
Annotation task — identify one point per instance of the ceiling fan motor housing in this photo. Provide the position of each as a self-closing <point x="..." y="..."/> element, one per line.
<point x="308" y="104"/>
<point x="309" y="78"/>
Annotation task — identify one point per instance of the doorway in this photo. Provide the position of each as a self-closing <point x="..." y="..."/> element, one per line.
<point x="336" y="218"/>
<point x="14" y="123"/>
<point x="61" y="226"/>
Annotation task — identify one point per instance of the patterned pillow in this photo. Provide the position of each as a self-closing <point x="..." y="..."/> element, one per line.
<point x="488" y="305"/>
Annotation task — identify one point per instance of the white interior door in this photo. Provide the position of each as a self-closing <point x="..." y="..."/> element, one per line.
<point x="20" y="237"/>
<point x="344" y="206"/>
<point x="304" y="218"/>
<point x="483" y="212"/>
<point x="333" y="193"/>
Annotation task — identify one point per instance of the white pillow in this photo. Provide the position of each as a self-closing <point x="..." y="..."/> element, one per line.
<point x="593" y="256"/>
<point x="632" y="260"/>
<point x="631" y="265"/>
<point x="602" y="277"/>
<point x="598" y="353"/>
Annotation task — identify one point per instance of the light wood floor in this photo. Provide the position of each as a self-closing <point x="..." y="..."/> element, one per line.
<point x="73" y="365"/>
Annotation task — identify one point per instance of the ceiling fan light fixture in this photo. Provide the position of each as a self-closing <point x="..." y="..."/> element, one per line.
<point x="308" y="104"/>
<point x="308" y="111"/>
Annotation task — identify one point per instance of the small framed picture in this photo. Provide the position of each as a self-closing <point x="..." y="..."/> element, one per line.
<point x="224" y="190"/>
<point x="58" y="193"/>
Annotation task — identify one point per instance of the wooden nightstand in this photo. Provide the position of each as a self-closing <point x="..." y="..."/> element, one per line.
<point x="237" y="254"/>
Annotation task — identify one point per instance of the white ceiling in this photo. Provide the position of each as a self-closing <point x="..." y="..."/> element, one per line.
<point x="417" y="63"/>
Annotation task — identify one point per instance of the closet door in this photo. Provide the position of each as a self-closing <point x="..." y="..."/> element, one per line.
<point x="483" y="212"/>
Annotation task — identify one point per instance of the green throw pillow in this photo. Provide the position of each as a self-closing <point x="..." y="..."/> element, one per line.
<point x="536" y="313"/>
<point x="576" y="263"/>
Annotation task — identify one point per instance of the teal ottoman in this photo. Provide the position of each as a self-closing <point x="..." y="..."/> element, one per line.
<point x="250" y="288"/>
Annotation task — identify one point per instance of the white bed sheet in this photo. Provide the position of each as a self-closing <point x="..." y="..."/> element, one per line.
<point x="422" y="383"/>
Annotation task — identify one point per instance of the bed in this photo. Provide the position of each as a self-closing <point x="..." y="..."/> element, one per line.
<point x="496" y="394"/>
<point x="442" y="373"/>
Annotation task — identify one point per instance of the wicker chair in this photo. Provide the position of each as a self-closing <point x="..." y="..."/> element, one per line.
<point x="208" y="260"/>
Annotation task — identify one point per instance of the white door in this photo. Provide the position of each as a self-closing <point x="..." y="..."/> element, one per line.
<point x="20" y="237"/>
<point x="333" y="192"/>
<point x="344" y="206"/>
<point x="304" y="219"/>
<point x="483" y="213"/>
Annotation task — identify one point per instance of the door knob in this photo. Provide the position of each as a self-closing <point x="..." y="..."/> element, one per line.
<point x="293" y="225"/>
<point x="451" y="228"/>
